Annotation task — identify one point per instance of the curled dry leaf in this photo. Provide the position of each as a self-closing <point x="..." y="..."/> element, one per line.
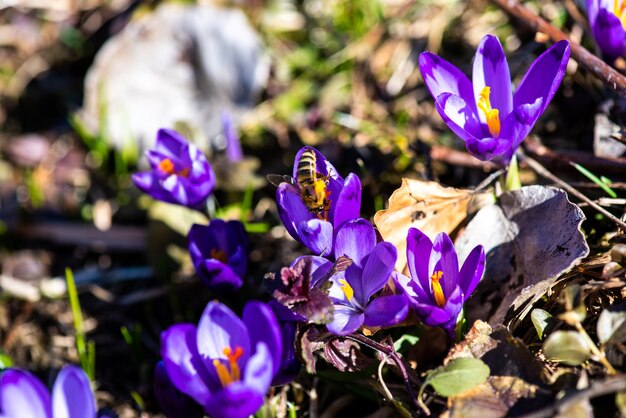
<point x="428" y="206"/>
<point x="531" y="237"/>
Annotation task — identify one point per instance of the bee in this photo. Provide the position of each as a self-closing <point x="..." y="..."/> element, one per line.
<point x="311" y="184"/>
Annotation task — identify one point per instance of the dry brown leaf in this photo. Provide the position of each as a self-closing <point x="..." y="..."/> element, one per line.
<point x="428" y="206"/>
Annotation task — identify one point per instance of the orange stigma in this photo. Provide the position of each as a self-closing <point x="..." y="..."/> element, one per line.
<point x="230" y="372"/>
<point x="437" y="290"/>
<point x="219" y="255"/>
<point x="492" y="115"/>
<point x="167" y="166"/>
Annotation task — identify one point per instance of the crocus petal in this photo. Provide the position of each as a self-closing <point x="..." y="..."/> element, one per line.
<point x="183" y="362"/>
<point x="386" y="310"/>
<point x="472" y="271"/>
<point x="517" y="126"/>
<point x="609" y="34"/>
<point x="378" y="267"/>
<point x="418" y="249"/>
<point x="237" y="400"/>
<point x="260" y="368"/>
<point x="443" y="258"/>
<point x="71" y="394"/>
<point x="169" y="143"/>
<point x="301" y="224"/>
<point x="459" y="116"/>
<point x="442" y="77"/>
<point x="345" y="321"/>
<point x="323" y="166"/>
<point x="220" y="328"/>
<point x="291" y="210"/>
<point x="175" y="190"/>
<point x="355" y="239"/>
<point x="23" y="395"/>
<point x="491" y="69"/>
<point x="218" y="276"/>
<point x="544" y="76"/>
<point x="435" y="316"/>
<point x="489" y="148"/>
<point x="348" y="205"/>
<point x="289" y="364"/>
<point x="412" y="288"/>
<point x="263" y="327"/>
<point x="173" y="402"/>
<point x="317" y="236"/>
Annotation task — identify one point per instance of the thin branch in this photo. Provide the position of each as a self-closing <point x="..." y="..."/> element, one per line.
<point x="542" y="171"/>
<point x="593" y="64"/>
<point x="596" y="389"/>
<point x="393" y="355"/>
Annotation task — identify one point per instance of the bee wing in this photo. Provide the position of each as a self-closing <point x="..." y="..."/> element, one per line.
<point x="277" y="179"/>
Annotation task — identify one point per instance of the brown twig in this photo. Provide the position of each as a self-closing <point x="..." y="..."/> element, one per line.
<point x="392" y="355"/>
<point x="533" y="146"/>
<point x="459" y="158"/>
<point x="593" y="64"/>
<point x="596" y="389"/>
<point x="542" y="171"/>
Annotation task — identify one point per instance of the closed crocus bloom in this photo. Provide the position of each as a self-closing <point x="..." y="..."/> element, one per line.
<point x="180" y="172"/>
<point x="437" y="289"/>
<point x="174" y="403"/>
<point x="607" y="19"/>
<point x="225" y="364"/>
<point x="219" y="253"/>
<point x="485" y="113"/>
<point x="23" y="395"/>
<point x="319" y="201"/>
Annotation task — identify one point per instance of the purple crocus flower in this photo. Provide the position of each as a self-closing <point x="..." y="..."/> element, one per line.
<point x="23" y="395"/>
<point x="352" y="289"/>
<point x="289" y="364"/>
<point x="234" y="152"/>
<point x="343" y="202"/>
<point x="219" y="252"/>
<point x="485" y="113"/>
<point x="437" y="289"/>
<point x="180" y="172"/>
<point x="226" y="364"/>
<point x="173" y="402"/>
<point x="607" y="19"/>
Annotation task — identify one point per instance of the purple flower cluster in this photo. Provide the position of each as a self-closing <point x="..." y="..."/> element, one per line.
<point x="359" y="293"/>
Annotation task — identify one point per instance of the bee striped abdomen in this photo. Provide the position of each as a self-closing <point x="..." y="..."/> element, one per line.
<point x="311" y="183"/>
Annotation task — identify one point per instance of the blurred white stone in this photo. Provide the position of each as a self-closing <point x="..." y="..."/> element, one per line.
<point x="179" y="66"/>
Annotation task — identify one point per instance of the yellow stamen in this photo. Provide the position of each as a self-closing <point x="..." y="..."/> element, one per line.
<point x="437" y="290"/>
<point x="232" y="373"/>
<point x="619" y="9"/>
<point x="167" y="166"/>
<point x="219" y="255"/>
<point x="492" y="115"/>
<point x="346" y="288"/>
